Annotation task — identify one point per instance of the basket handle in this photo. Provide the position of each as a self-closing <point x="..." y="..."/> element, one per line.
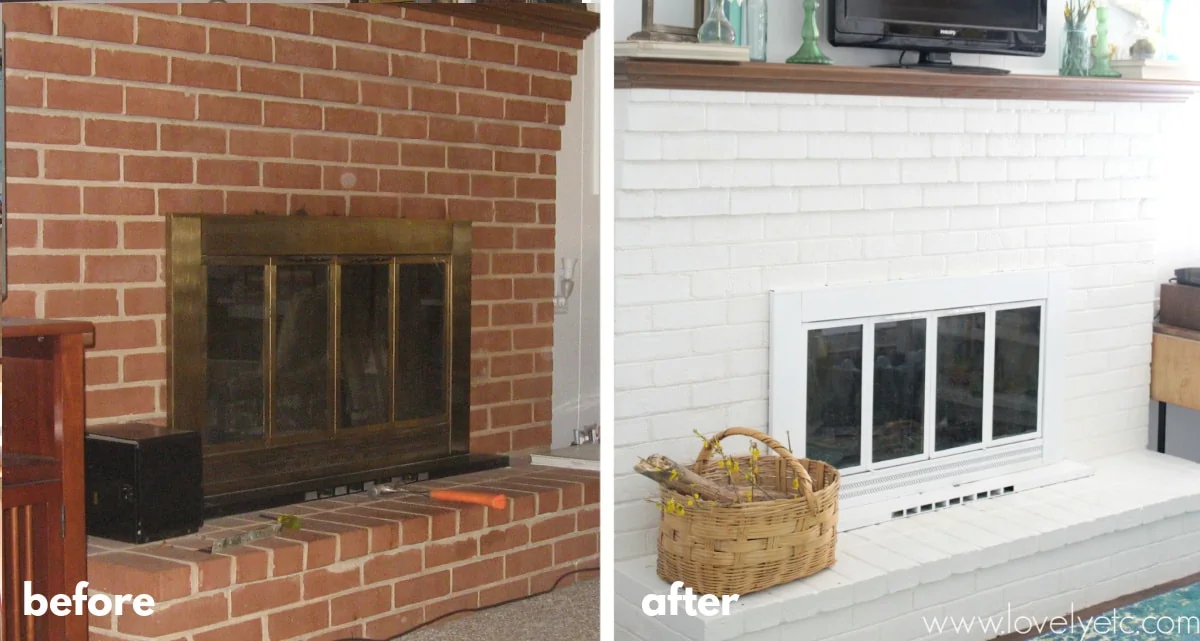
<point x="806" y="481"/>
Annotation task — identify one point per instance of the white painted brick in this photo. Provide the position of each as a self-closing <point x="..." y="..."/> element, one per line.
<point x="736" y="173"/>
<point x="862" y="224"/>
<point x="948" y="121"/>
<point x="1135" y="124"/>
<point x="1116" y="210"/>
<point x="795" y="276"/>
<point x="921" y="220"/>
<point x="633" y="319"/>
<point x="1027" y="169"/>
<point x="1127" y="168"/>
<point x="690" y="315"/>
<point x="641" y="147"/>
<point x="707" y="96"/>
<point x="688" y="370"/>
<point x="1061" y="213"/>
<point x="951" y="195"/>
<point x="1051" y="191"/>
<point x="634" y="261"/>
<point x="849" y="101"/>
<point x="742" y="118"/>
<point x="772" y="145"/>
<point x="804" y="173"/>
<point x="839" y="146"/>
<point x="979" y="170"/>
<point x="959" y="146"/>
<point x="1033" y="122"/>
<point x="1090" y="123"/>
<point x="727" y="283"/>
<point x="857" y="273"/>
<point x="1019" y="146"/>
<point x="634" y="204"/>
<point x="729" y="338"/>
<point x="1006" y="193"/>
<point x="634" y="348"/>
<point x="747" y="362"/>
<point x="930" y="171"/>
<point x="764" y="201"/>
<point x="699" y="146"/>
<point x="1022" y="215"/>
<point x="893" y="197"/>
<point x="830" y="250"/>
<point x="974" y="218"/>
<point x="870" y="172"/>
<point x="769" y="98"/>
<point x="729" y="390"/>
<point x="727" y="229"/>
<point x="991" y="122"/>
<point x="646" y="175"/>
<point x="658" y="117"/>
<point x="642" y="290"/>
<point x="649" y="233"/>
<point x="917" y="267"/>
<point x="633" y="376"/>
<point x="814" y="119"/>
<point x="689" y="259"/>
<point x="692" y="202"/>
<point x="972" y="264"/>
<point x="1079" y="168"/>
<point x="892" y="246"/>
<point x="798" y="226"/>
<point x="1002" y="239"/>
<point x="652" y="400"/>
<point x="764" y="254"/>
<point x="876" y="120"/>
<point x="831" y="199"/>
<point x="642" y="95"/>
<point x="901" y="146"/>
<point x="949" y="242"/>
<point x="1106" y="145"/>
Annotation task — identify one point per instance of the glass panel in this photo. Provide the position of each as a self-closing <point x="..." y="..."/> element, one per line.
<point x="899" y="405"/>
<point x="420" y="341"/>
<point x="960" y="381"/>
<point x="1018" y="343"/>
<point x="364" y="371"/>
<point x="234" y="407"/>
<point x="301" y="348"/>
<point x="835" y="395"/>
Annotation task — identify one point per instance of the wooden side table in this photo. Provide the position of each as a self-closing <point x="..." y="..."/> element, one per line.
<point x="1174" y="373"/>
<point x="44" y="533"/>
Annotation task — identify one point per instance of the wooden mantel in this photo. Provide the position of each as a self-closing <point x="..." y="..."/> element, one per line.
<point x="571" y="20"/>
<point x="873" y="81"/>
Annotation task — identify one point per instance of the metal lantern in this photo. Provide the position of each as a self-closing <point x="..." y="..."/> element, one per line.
<point x="668" y="33"/>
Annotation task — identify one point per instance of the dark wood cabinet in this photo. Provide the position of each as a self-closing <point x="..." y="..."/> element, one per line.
<point x="44" y="535"/>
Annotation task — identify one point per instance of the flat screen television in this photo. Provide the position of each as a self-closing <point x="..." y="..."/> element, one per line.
<point x="937" y="28"/>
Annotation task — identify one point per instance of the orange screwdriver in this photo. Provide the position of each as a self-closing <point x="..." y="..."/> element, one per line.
<point x="492" y="500"/>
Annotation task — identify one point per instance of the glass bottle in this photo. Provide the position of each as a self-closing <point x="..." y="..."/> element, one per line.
<point x="717" y="28"/>
<point x="756" y="29"/>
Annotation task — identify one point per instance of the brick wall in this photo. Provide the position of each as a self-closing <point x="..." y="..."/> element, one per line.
<point x="122" y="114"/>
<point x="723" y="196"/>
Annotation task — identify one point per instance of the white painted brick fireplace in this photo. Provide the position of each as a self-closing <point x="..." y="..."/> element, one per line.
<point x="724" y="196"/>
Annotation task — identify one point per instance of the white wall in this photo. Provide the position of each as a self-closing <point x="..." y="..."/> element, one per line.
<point x="786" y="17"/>
<point x="576" y="394"/>
<point x="722" y="196"/>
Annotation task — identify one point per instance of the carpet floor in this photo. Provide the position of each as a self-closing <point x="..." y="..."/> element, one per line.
<point x="571" y="613"/>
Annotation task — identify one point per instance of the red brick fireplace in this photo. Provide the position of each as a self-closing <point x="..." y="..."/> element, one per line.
<point x="121" y="115"/>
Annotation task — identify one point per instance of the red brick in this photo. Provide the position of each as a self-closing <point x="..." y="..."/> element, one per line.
<point x="556" y="114"/>
<point x="235" y="13"/>
<point x="422" y="155"/>
<point x="260" y="143"/>
<point x="118" y="201"/>
<point x="469" y="158"/>
<point x="493" y="51"/>
<point x="536" y="437"/>
<point x="485" y="186"/>
<point x="170" y="34"/>
<point x="511" y="415"/>
<point x="506" y="81"/>
<point x="84" y="96"/>
<point x="31" y="270"/>
<point x="175" y="617"/>
<point x="453" y="604"/>
<point x="499" y="540"/>
<point x="445" y="183"/>
<point x="28" y="18"/>
<point x="359" y="121"/>
<point x="536" y="189"/>
<point x="250" y="202"/>
<point x="120" y="269"/>
<point x="443" y="43"/>
<point x="516" y="162"/>
<point x="528" y="561"/>
<point x="319" y="583"/>
<point x="127" y="65"/>
<point x="291" y="175"/>
<point x="501" y="135"/>
<point x="297" y="621"/>
<point x="512" y="365"/>
<point x="356" y="178"/>
<point x="317" y="204"/>
<point x="332" y="148"/>
<point x="339" y="26"/>
<point x="244" y="111"/>
<point x="189" y="138"/>
<point x="330" y="88"/>
<point x="120" y="134"/>
<point x="362" y="61"/>
<point x="525" y="110"/>
<point x="423" y="208"/>
<point x="52" y="57"/>
<point x="292" y="115"/>
<point x="535" y="138"/>
<point x="567" y="62"/>
<point x="264" y="595"/>
<point x="160" y="8"/>
<point x="82" y="165"/>
<point x="547" y="164"/>
<point x="287" y="556"/>
<point x="475" y="25"/>
<point x="401" y="182"/>
<point x="452" y="130"/>
<point x="239" y="44"/>
<point x="534" y="288"/>
<point x="422" y="588"/>
<point x="552" y="528"/>
<point x="125" y="401"/>
<point x="275" y="82"/>
<point x="460" y="74"/>
<point x="473" y="575"/>
<point x="489" y="290"/>
<point x="443" y="553"/>
<point x="52" y="130"/>
<point x="158" y="169"/>
<point x="281" y="17"/>
<point x="414" y="68"/>
<point x="153" y="300"/>
<point x="82" y="303"/>
<point x="204" y="74"/>
<point x="405" y="126"/>
<point x="480" y="211"/>
<point x="374" y="152"/>
<point x="248" y="630"/>
<point x="79" y="234"/>
<point x="384" y="567"/>
<point x="23" y="163"/>
<point x="160" y="103"/>
<point x="99" y="370"/>
<point x="360" y="605"/>
<point x="23" y="91"/>
<point x="537" y="58"/>
<point x="554" y="88"/>
<point x="320" y="549"/>
<point x="470" y="104"/>
<point x="504" y="592"/>
<point x="42" y="199"/>
<point x="576" y="547"/>
<point x="20" y="304"/>
<point x="226" y="172"/>
<point x="436" y="100"/>
<point x="301" y="53"/>
<point x="22" y="233"/>
<point x="384" y="94"/>
<point x="395" y="36"/>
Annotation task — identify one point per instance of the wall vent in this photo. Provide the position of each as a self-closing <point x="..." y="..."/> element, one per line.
<point x="951" y="502"/>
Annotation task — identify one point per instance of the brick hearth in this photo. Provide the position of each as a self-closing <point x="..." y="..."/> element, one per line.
<point x="357" y="567"/>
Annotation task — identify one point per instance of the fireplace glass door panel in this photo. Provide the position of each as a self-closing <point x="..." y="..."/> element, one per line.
<point x="1018" y="371"/>
<point x="421" y="340"/>
<point x="236" y="341"/>
<point x="960" y="355"/>
<point x="365" y="361"/>
<point x="834" y="432"/>
<point x="301" y="360"/>
<point x="898" y="407"/>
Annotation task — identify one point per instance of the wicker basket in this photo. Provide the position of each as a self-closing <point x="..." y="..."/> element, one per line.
<point x="747" y="547"/>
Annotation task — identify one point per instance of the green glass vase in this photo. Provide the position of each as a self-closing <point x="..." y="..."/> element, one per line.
<point x="810" y="50"/>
